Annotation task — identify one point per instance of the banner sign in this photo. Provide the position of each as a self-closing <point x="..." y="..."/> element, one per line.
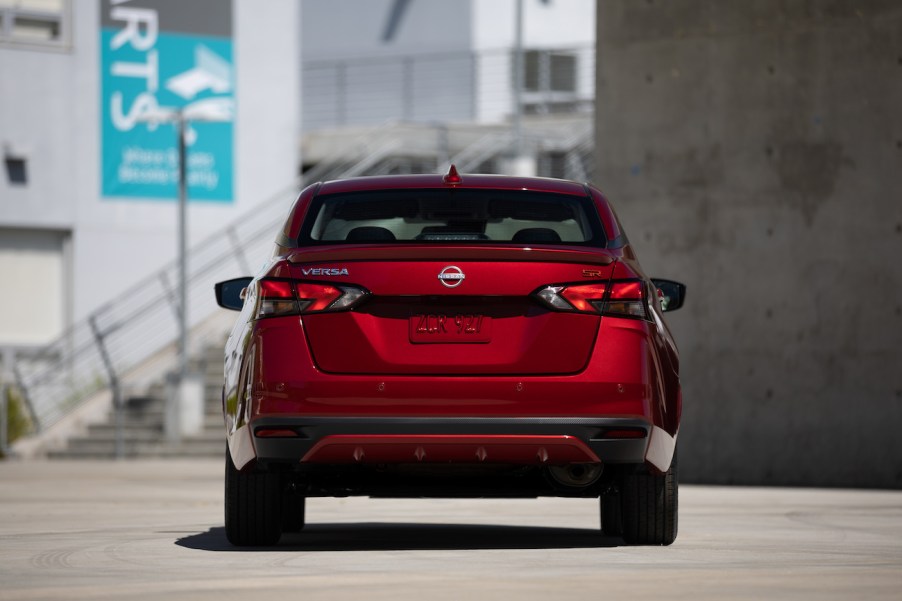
<point x="158" y="57"/>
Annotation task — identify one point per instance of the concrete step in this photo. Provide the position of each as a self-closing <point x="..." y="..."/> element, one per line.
<point x="208" y="446"/>
<point x="162" y="452"/>
<point x="210" y="450"/>
<point x="101" y="448"/>
<point x="107" y="433"/>
<point x="155" y="414"/>
<point x="206" y="435"/>
<point x="143" y="421"/>
<point x="143" y="404"/>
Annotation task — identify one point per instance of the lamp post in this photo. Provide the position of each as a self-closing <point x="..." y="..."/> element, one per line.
<point x="182" y="247"/>
<point x="518" y="78"/>
<point x="521" y="161"/>
<point x="209" y="110"/>
<point x="213" y="110"/>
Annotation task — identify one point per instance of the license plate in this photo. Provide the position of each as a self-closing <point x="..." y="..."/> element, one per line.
<point x="439" y="327"/>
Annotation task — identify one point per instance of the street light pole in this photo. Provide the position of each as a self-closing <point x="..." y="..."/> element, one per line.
<point x="518" y="78"/>
<point x="214" y="110"/>
<point x="182" y="249"/>
<point x="184" y="409"/>
<point x="521" y="160"/>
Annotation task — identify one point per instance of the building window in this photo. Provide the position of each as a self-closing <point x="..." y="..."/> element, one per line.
<point x="16" y="170"/>
<point x="551" y="82"/>
<point x="34" y="22"/>
<point x="549" y="71"/>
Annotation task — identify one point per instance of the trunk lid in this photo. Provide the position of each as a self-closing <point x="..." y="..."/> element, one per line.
<point x="446" y="310"/>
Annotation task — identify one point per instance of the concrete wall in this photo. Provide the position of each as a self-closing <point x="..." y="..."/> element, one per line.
<point x="754" y="151"/>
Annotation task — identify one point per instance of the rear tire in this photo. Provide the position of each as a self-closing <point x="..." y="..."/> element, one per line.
<point x="253" y="506"/>
<point x="649" y="507"/>
<point x="293" y="507"/>
<point x="611" y="520"/>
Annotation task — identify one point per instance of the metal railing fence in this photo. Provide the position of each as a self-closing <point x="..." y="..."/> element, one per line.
<point x="445" y="87"/>
<point x="114" y="342"/>
<point x="142" y="321"/>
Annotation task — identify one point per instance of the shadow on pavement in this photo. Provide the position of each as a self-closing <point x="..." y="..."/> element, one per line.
<point x="408" y="537"/>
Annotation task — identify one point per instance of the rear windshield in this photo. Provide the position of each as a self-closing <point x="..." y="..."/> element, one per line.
<point x="452" y="215"/>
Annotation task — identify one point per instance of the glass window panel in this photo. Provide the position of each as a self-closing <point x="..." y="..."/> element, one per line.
<point x="37" y="30"/>
<point x="52" y="6"/>
<point x="563" y="73"/>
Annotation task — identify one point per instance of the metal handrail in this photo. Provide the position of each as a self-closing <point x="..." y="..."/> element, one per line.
<point x="483" y="149"/>
<point x="113" y="341"/>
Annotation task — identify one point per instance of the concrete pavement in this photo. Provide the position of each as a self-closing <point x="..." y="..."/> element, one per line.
<point x="153" y="530"/>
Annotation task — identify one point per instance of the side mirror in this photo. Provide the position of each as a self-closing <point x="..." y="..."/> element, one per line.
<point x="672" y="294"/>
<point x="230" y="293"/>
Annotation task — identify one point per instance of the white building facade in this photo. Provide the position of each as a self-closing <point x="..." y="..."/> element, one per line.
<point x="369" y="62"/>
<point x="88" y="186"/>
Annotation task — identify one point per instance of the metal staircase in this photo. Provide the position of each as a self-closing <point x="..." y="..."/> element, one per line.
<point x="143" y="425"/>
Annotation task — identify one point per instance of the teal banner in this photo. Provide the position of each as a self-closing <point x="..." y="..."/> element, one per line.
<point x="151" y="67"/>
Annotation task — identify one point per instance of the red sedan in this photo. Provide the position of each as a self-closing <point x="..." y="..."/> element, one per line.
<point x="451" y="336"/>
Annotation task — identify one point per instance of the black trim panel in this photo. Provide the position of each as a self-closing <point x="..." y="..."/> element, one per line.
<point x="590" y="430"/>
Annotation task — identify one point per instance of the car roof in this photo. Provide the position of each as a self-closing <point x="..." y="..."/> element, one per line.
<point x="468" y="181"/>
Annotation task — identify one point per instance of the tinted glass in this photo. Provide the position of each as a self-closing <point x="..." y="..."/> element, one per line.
<point x="452" y="215"/>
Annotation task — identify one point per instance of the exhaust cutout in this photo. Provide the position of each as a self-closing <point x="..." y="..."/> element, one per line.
<point x="576" y="475"/>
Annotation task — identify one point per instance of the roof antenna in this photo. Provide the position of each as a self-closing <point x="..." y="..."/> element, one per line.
<point x="452" y="178"/>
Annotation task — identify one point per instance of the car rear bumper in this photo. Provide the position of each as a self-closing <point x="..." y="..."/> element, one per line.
<point x="533" y="440"/>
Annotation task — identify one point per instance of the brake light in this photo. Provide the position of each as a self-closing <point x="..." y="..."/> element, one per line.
<point x="452" y="178"/>
<point x="587" y="298"/>
<point x="275" y="297"/>
<point x="624" y="298"/>
<point x="316" y="297"/>
<point x="627" y="299"/>
<point x="285" y="297"/>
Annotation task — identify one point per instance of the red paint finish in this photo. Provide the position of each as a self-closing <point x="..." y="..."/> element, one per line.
<point x="477" y="345"/>
<point x="523" y="340"/>
<point x="614" y="382"/>
<point x="606" y="213"/>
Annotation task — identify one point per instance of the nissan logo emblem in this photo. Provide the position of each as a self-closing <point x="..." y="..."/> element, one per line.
<point x="451" y="276"/>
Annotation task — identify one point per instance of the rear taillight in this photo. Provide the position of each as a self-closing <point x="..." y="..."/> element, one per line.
<point x="587" y="298"/>
<point x="627" y="298"/>
<point x="285" y="297"/>
<point x="275" y="297"/>
<point x="623" y="298"/>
